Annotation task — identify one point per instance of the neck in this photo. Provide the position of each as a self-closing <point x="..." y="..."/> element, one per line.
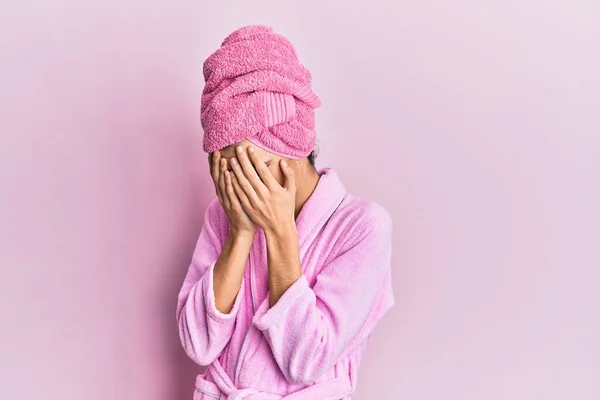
<point x="307" y="181"/>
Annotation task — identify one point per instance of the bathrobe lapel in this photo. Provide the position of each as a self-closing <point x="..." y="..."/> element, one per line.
<point x="316" y="211"/>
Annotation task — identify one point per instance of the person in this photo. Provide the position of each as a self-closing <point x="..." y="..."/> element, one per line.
<point x="291" y="273"/>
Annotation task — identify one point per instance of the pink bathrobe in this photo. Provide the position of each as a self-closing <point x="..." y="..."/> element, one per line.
<point x="309" y="345"/>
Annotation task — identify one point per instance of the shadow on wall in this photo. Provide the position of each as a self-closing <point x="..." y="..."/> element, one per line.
<point x="184" y="370"/>
<point x="175" y="200"/>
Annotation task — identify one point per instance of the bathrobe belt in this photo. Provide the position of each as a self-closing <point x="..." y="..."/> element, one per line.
<point x="332" y="389"/>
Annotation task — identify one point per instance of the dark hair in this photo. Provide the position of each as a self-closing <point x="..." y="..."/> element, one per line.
<point x="311" y="158"/>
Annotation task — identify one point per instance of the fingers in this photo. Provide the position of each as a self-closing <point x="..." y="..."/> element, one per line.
<point x="288" y="173"/>
<point x="240" y="193"/>
<point x="249" y="179"/>
<point x="244" y="183"/>
<point x="215" y="174"/>
<point x="231" y="195"/>
<point x="216" y="164"/>
<point x="214" y="168"/>
<point x="263" y="172"/>
<point x="222" y="187"/>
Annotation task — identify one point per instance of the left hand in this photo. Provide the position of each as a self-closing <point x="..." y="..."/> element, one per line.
<point x="267" y="203"/>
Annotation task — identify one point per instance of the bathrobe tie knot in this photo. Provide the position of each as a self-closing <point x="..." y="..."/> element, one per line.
<point x="331" y="389"/>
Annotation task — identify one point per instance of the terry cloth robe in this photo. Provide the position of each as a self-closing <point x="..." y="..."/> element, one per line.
<point x="309" y="345"/>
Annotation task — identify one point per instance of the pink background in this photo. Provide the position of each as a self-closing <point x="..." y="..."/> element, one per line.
<point x="477" y="126"/>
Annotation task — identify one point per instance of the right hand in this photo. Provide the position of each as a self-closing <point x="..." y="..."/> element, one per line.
<point x="239" y="221"/>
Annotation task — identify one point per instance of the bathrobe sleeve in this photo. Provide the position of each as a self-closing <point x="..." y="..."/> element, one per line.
<point x="310" y="329"/>
<point x="203" y="329"/>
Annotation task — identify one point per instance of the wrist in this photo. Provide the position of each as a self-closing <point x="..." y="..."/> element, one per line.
<point x="236" y="235"/>
<point x="282" y="230"/>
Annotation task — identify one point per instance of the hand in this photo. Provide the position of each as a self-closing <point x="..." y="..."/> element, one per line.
<point x="267" y="203"/>
<point x="239" y="221"/>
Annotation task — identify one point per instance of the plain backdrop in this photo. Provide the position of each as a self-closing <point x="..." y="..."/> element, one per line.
<point x="475" y="123"/>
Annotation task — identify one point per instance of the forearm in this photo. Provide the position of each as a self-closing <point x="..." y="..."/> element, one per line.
<point x="283" y="260"/>
<point x="229" y="270"/>
<point x="313" y="325"/>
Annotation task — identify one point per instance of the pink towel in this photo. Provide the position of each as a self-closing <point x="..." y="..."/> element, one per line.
<point x="256" y="89"/>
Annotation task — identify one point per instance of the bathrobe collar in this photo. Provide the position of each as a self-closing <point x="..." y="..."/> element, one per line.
<point x="324" y="200"/>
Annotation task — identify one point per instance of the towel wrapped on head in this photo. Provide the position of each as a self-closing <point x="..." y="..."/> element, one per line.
<point x="257" y="89"/>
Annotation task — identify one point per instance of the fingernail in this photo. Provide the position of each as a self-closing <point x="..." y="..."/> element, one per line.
<point x="251" y="149"/>
<point x="239" y="149"/>
<point x="284" y="163"/>
<point x="233" y="161"/>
